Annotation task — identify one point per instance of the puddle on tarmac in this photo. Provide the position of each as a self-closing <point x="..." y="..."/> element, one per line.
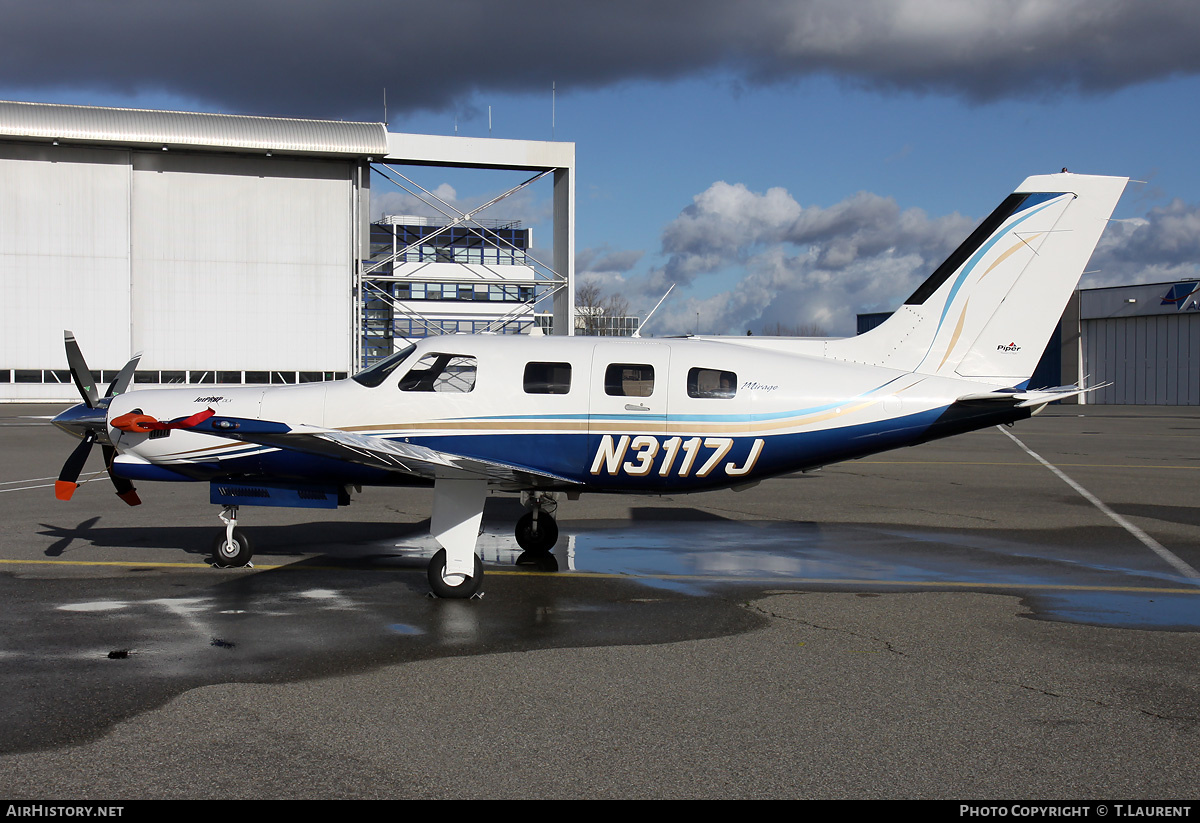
<point x="1095" y="588"/>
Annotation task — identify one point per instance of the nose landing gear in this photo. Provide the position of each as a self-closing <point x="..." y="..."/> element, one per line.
<point x="231" y="547"/>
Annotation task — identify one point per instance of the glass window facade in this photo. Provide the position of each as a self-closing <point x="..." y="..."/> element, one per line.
<point x="388" y="316"/>
<point x="503" y="245"/>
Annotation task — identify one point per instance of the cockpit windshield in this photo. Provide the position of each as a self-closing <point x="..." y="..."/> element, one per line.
<point x="375" y="374"/>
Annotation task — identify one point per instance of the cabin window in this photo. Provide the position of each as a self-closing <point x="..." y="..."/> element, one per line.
<point x="450" y="373"/>
<point x="711" y="383"/>
<point x="629" y="380"/>
<point x="373" y="375"/>
<point x="547" y="378"/>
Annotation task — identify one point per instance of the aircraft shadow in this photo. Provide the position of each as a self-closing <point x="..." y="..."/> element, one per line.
<point x="330" y="538"/>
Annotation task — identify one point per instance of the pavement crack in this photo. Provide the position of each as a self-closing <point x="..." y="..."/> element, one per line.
<point x="887" y="645"/>
<point x="1094" y="701"/>
<point x="1181" y="718"/>
<point x="1045" y="692"/>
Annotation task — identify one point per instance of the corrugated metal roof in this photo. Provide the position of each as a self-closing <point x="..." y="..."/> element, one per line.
<point x="94" y="124"/>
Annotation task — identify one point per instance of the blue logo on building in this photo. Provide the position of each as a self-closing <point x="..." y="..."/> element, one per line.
<point x="1181" y="294"/>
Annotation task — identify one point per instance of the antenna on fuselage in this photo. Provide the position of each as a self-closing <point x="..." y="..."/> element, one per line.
<point x="642" y="325"/>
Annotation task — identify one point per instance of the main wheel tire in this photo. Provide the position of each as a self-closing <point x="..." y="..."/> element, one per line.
<point x="454" y="585"/>
<point x="543" y="539"/>
<point x="229" y="554"/>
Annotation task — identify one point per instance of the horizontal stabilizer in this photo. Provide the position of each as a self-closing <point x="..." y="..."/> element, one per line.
<point x="1024" y="398"/>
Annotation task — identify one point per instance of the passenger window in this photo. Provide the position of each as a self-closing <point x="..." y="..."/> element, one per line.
<point x="629" y="380"/>
<point x="711" y="383"/>
<point x="453" y="373"/>
<point x="547" y="378"/>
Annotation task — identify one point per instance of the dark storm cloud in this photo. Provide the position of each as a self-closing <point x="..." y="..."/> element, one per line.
<point x="326" y="59"/>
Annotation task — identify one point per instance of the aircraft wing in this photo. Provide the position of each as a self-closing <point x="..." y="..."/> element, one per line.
<point x="379" y="452"/>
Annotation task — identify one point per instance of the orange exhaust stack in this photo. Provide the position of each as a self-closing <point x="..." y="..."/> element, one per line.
<point x="134" y="422"/>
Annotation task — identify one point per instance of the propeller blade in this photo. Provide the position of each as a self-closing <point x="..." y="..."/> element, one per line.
<point x="121" y="383"/>
<point x="80" y="372"/>
<point x="67" y="483"/>
<point x="125" y="489"/>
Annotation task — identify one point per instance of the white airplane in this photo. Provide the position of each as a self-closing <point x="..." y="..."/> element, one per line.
<point x="543" y="416"/>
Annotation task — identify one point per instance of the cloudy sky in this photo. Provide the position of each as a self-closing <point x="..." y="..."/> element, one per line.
<point x="781" y="161"/>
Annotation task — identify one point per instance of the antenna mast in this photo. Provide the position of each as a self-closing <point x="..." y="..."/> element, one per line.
<point x="642" y="325"/>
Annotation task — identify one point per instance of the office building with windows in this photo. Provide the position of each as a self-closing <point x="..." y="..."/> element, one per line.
<point x="426" y="277"/>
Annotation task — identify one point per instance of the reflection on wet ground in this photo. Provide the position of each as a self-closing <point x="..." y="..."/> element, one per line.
<point x="1089" y="575"/>
<point x="149" y="636"/>
<point x="1084" y="580"/>
<point x="81" y="653"/>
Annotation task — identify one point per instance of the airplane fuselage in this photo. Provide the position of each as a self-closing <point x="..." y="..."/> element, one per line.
<point x="615" y="415"/>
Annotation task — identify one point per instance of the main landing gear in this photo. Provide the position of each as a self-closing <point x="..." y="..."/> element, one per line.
<point x="458" y="586"/>
<point x="456" y="571"/>
<point x="537" y="531"/>
<point x="231" y="547"/>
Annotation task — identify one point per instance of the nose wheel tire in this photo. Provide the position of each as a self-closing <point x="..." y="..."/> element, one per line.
<point x="230" y="553"/>
<point x="456" y="586"/>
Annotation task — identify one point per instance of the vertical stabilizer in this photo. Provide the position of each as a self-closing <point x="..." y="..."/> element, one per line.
<point x="988" y="311"/>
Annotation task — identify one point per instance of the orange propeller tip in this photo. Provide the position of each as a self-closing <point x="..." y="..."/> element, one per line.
<point x="63" y="489"/>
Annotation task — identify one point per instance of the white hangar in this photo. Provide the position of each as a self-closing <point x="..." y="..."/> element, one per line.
<point x="226" y="248"/>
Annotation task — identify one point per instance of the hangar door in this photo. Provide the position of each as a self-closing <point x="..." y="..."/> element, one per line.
<point x="241" y="262"/>
<point x="202" y="261"/>
<point x="1150" y="360"/>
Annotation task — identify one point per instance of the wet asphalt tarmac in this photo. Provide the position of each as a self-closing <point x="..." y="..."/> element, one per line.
<point x="952" y="620"/>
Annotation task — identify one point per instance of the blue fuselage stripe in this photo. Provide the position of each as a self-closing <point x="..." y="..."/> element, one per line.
<point x="648" y="462"/>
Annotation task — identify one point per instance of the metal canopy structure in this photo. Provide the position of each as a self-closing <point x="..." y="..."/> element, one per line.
<point x="546" y="281"/>
<point x="541" y="158"/>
